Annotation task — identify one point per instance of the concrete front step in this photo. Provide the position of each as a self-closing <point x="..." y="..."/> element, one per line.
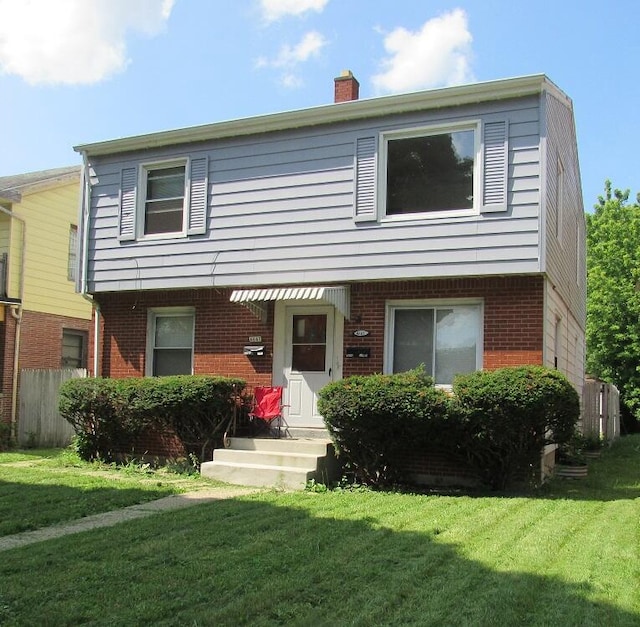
<point x="260" y="475"/>
<point x="312" y="446"/>
<point x="284" y="463"/>
<point x="308" y="461"/>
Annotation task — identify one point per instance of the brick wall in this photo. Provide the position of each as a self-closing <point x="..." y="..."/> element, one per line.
<point x="40" y="347"/>
<point x="222" y="329"/>
<point x="513" y="317"/>
<point x="513" y="325"/>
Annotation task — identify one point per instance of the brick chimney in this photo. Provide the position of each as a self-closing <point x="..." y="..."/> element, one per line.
<point x="346" y="87"/>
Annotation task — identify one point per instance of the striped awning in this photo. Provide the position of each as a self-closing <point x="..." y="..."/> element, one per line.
<point x="254" y="300"/>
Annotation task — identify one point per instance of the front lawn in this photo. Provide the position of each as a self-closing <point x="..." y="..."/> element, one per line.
<point x="565" y="555"/>
<point x="44" y="487"/>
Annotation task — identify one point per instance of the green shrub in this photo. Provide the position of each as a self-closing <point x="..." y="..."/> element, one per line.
<point x="107" y="414"/>
<point x="502" y="419"/>
<point x="373" y="419"/>
<point x="97" y="415"/>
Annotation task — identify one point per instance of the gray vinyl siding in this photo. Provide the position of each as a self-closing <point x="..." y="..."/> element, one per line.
<point x="564" y="257"/>
<point x="288" y="207"/>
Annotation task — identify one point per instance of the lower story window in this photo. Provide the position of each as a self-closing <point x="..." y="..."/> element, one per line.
<point x="446" y="339"/>
<point x="74" y="349"/>
<point x="170" y="341"/>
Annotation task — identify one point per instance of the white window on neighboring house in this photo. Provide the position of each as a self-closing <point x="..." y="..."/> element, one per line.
<point x="72" y="264"/>
<point x="430" y="170"/>
<point x="164" y="201"/>
<point x="74" y="349"/>
<point x="170" y="340"/>
<point x="444" y="337"/>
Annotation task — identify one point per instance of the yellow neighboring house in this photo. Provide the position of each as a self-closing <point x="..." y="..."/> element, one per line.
<point x="44" y="323"/>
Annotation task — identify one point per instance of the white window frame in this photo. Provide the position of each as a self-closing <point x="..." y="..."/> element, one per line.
<point x="152" y="315"/>
<point x="141" y="207"/>
<point x="423" y="131"/>
<point x="393" y="305"/>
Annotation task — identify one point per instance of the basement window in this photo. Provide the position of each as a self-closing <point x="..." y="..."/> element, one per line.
<point x="74" y="349"/>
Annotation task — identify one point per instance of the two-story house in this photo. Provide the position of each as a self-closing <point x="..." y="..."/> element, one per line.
<point x="443" y="227"/>
<point x="44" y="322"/>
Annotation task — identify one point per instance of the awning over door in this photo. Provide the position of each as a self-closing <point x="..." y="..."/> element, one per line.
<point x="254" y="300"/>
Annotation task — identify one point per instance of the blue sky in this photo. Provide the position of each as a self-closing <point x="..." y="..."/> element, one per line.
<point x="79" y="71"/>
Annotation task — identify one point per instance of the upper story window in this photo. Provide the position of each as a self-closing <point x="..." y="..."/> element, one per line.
<point x="431" y="170"/>
<point x="164" y="201"/>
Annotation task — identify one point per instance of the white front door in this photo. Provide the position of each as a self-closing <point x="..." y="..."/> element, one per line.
<point x="308" y="362"/>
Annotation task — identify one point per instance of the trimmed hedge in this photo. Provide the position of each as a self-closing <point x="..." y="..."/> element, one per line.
<point x="372" y="419"/>
<point x="108" y="414"/>
<point x="499" y="421"/>
<point x="503" y="418"/>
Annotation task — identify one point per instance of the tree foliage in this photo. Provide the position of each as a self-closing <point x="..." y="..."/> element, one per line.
<point x="613" y="285"/>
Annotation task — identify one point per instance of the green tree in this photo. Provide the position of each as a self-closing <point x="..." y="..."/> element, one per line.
<point x="613" y="286"/>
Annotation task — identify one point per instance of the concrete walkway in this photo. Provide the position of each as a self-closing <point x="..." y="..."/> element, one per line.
<point x="108" y="519"/>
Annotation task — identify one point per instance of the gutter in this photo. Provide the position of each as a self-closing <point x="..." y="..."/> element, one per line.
<point x="16" y="312"/>
<point x="85" y="200"/>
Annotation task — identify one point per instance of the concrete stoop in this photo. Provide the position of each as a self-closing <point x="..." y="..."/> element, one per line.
<point x="284" y="463"/>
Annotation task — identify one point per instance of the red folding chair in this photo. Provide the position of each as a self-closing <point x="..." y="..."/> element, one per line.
<point x="267" y="408"/>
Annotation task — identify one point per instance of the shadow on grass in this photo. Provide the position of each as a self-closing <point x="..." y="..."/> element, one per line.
<point x="28" y="506"/>
<point x="265" y="562"/>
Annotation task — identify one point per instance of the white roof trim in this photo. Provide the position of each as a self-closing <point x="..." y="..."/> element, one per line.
<point x="337" y="295"/>
<point x="337" y="112"/>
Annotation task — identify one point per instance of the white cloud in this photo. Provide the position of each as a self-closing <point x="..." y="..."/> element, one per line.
<point x="289" y="57"/>
<point x="73" y="41"/>
<point x="437" y="54"/>
<point x="273" y="10"/>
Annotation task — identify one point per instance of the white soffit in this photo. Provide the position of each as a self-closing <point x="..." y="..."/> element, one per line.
<point x="254" y="300"/>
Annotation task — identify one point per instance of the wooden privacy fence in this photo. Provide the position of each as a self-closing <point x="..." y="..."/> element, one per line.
<point x="600" y="410"/>
<point x="39" y="423"/>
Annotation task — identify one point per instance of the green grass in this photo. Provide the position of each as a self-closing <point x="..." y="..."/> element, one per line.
<point x="44" y="487"/>
<point x="565" y="555"/>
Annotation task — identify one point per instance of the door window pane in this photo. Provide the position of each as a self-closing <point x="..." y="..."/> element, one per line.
<point x="309" y="346"/>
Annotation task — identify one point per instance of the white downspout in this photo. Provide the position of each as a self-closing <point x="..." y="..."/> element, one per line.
<point x="85" y="206"/>
<point x="17" y="316"/>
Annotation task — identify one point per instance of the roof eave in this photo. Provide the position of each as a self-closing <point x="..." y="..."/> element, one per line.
<point x="9" y="196"/>
<point x="327" y="114"/>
